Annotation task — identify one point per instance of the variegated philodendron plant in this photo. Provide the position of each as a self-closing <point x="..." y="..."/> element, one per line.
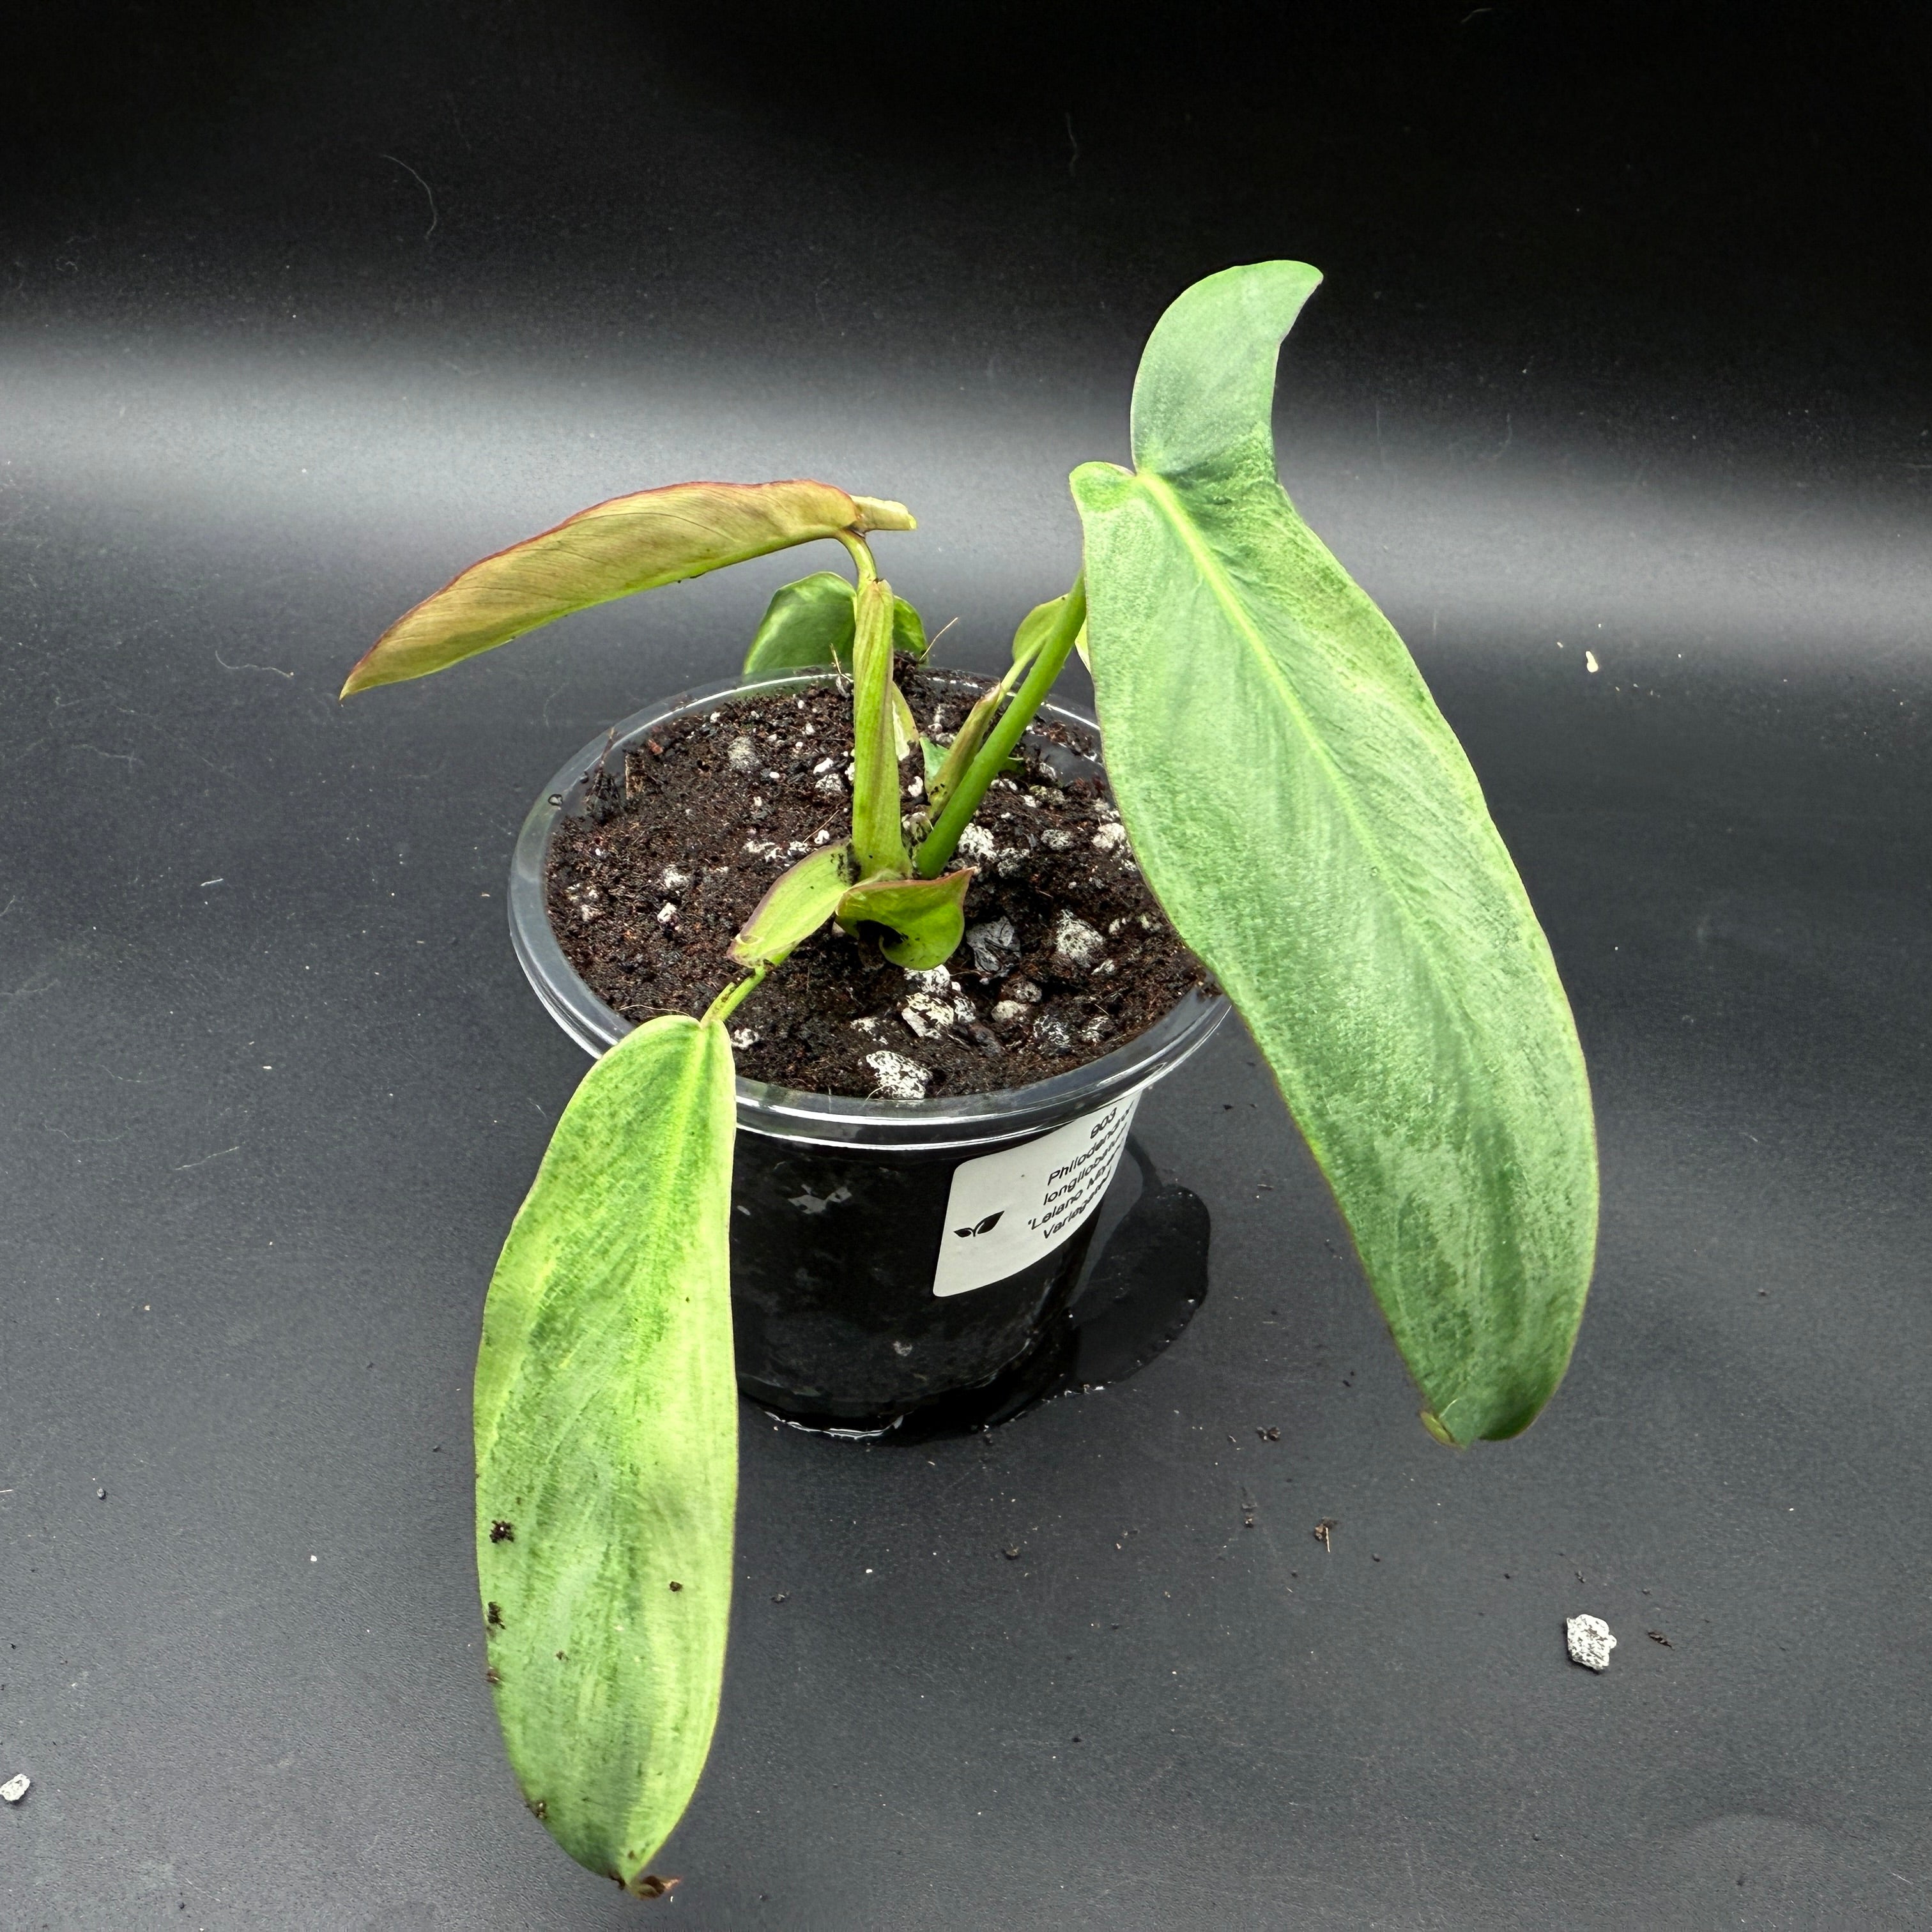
<point x="1309" y="824"/>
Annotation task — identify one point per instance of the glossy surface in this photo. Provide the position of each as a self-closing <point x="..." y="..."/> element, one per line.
<point x="1622" y="345"/>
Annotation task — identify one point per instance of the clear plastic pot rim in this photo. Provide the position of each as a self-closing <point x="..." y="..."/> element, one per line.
<point x="784" y="1113"/>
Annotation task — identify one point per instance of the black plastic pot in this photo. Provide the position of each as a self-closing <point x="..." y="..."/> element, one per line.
<point x="886" y="1254"/>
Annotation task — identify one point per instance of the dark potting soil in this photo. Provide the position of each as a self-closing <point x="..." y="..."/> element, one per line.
<point x="1067" y="956"/>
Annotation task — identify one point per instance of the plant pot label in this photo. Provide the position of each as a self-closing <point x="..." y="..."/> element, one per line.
<point x="1009" y="1209"/>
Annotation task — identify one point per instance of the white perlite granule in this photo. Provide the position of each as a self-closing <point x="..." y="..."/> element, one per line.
<point x="1074" y="939"/>
<point x="989" y="942"/>
<point x="976" y="842"/>
<point x="743" y="755"/>
<point x="927" y="1014"/>
<point x="15" y="1788"/>
<point x="1051" y="1035"/>
<point x="1591" y="1642"/>
<point x="899" y="1079"/>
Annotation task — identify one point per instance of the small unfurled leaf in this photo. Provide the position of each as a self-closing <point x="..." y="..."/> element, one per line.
<point x="908" y="631"/>
<point x="630" y="543"/>
<point x="806" y="623"/>
<point x="606" y="1422"/>
<point x="878" y="844"/>
<point x="1309" y="823"/>
<point x="965" y="745"/>
<point x="1035" y="627"/>
<point x="931" y="757"/>
<point x="927" y="914"/>
<point x="801" y="900"/>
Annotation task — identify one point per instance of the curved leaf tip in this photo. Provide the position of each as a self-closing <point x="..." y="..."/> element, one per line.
<point x="1191" y="407"/>
<point x="881" y="513"/>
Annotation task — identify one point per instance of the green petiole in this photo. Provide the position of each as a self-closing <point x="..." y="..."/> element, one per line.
<point x="962" y="803"/>
<point x="726" y="1002"/>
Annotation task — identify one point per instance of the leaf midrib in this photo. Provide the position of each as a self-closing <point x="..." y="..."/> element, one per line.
<point x="1164" y="495"/>
<point x="1166" y="499"/>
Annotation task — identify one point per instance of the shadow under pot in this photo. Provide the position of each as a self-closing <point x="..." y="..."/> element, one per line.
<point x="886" y="1255"/>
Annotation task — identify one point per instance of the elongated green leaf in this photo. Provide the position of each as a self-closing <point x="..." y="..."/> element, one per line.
<point x="1311" y="825"/>
<point x="878" y="843"/>
<point x="926" y="914"/>
<point x="801" y="900"/>
<point x="606" y="1420"/>
<point x="806" y="623"/>
<point x="630" y="543"/>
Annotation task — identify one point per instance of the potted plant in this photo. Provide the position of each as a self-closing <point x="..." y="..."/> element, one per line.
<point x="1286" y="790"/>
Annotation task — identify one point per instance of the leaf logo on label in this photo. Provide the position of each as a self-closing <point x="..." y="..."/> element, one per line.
<point x="985" y="1227"/>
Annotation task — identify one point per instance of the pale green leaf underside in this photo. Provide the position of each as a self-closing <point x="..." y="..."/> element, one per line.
<point x="606" y="1422"/>
<point x="1311" y="825"/>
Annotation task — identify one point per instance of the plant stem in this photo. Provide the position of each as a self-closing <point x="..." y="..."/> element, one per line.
<point x="964" y="800"/>
<point x="726" y="1002"/>
<point x="861" y="552"/>
<point x="878" y="843"/>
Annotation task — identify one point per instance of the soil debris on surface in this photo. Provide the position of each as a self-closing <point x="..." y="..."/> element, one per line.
<point x="1067" y="956"/>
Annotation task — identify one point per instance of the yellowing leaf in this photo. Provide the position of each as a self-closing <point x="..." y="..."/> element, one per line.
<point x="606" y="1422"/>
<point x="879" y="513"/>
<point x="630" y="543"/>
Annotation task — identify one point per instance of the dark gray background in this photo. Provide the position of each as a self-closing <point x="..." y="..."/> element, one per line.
<point x="1624" y="350"/>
